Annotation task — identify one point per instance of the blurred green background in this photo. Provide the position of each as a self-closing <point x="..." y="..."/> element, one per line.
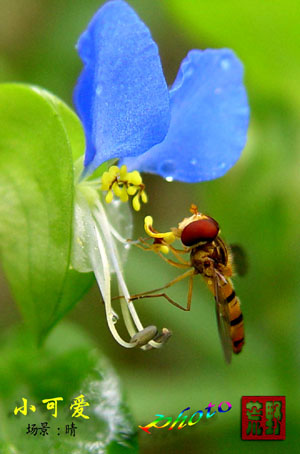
<point x="256" y="203"/>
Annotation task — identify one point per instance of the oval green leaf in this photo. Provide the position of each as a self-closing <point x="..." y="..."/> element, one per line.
<point x="36" y="203"/>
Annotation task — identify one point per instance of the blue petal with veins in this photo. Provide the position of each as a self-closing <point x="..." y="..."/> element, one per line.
<point x="121" y="96"/>
<point x="209" y="120"/>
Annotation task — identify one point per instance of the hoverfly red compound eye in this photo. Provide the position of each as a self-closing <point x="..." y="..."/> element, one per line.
<point x="201" y="230"/>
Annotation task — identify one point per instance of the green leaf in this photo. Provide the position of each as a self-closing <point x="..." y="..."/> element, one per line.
<point x="36" y="203"/>
<point x="71" y="123"/>
<point x="76" y="284"/>
<point x="67" y="366"/>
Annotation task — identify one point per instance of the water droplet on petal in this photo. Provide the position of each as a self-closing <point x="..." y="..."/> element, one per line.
<point x="115" y="318"/>
<point x="222" y="165"/>
<point x="116" y="203"/>
<point x="189" y="72"/>
<point x="99" y="90"/>
<point x="167" y="170"/>
<point x="225" y="64"/>
<point x="193" y="162"/>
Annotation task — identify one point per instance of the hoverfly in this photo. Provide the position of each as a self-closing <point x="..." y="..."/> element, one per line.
<point x="212" y="259"/>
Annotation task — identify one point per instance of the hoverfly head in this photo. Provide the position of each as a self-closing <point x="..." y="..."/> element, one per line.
<point x="202" y="230"/>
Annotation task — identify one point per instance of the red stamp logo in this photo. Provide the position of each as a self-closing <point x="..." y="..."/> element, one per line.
<point x="263" y="418"/>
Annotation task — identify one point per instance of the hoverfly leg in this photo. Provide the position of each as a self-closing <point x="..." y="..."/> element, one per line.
<point x="161" y="295"/>
<point x="188" y="273"/>
<point x="145" y="246"/>
<point x="173" y="263"/>
<point x="141" y="243"/>
<point x="190" y="293"/>
<point x="148" y="247"/>
<point x="152" y="294"/>
<point x="177" y="252"/>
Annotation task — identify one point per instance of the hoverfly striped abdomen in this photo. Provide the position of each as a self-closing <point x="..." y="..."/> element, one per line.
<point x="235" y="317"/>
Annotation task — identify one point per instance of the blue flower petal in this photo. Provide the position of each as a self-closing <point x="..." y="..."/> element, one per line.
<point x="209" y="120"/>
<point x="121" y="95"/>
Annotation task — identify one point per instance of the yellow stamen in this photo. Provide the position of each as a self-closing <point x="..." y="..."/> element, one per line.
<point x="117" y="190"/>
<point x="113" y="171"/>
<point x="124" y="195"/>
<point x="123" y="172"/>
<point x="163" y="248"/>
<point x="123" y="184"/>
<point x="134" y="178"/>
<point x="109" y="197"/>
<point x="136" y="202"/>
<point x="144" y="197"/>
<point x="132" y="190"/>
<point x="167" y="236"/>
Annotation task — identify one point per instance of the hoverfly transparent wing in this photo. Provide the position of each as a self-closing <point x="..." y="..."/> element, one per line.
<point x="223" y="317"/>
<point x="240" y="261"/>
